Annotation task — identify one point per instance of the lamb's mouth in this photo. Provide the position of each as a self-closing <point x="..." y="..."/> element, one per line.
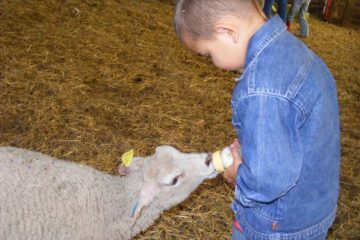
<point x="212" y="175"/>
<point x="208" y="162"/>
<point x="208" y="159"/>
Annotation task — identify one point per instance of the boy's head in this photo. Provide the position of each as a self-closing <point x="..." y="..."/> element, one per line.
<point x="220" y="29"/>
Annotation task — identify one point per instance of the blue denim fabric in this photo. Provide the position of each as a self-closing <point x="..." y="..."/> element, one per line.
<point x="302" y="7"/>
<point x="281" y="8"/>
<point x="238" y="235"/>
<point x="285" y="113"/>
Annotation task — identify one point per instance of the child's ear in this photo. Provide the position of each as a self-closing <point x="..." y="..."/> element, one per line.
<point x="228" y="30"/>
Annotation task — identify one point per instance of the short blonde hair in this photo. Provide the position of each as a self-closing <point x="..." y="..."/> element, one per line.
<point x="198" y="17"/>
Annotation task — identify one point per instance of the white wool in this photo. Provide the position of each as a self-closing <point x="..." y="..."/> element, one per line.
<point x="46" y="198"/>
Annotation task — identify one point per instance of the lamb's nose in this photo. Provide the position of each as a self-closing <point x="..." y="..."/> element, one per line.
<point x="208" y="159"/>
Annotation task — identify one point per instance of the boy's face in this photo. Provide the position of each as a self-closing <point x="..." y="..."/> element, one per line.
<point x="225" y="52"/>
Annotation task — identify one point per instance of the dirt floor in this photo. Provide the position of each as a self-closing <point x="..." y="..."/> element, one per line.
<point x="87" y="80"/>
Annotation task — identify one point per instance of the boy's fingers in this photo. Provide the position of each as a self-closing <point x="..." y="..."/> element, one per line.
<point x="228" y="178"/>
<point x="236" y="143"/>
<point x="235" y="153"/>
<point x="231" y="172"/>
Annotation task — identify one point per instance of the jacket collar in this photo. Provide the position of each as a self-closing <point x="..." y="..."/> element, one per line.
<point x="263" y="37"/>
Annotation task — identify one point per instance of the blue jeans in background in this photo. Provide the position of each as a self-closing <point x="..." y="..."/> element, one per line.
<point x="281" y="8"/>
<point x="302" y="7"/>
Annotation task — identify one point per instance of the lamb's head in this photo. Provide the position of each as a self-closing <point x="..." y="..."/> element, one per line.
<point x="171" y="176"/>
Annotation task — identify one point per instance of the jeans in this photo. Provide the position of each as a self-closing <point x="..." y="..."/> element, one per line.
<point x="238" y="235"/>
<point x="302" y="7"/>
<point x="282" y="10"/>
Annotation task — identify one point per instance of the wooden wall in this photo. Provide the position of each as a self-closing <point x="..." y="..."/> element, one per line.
<point x="346" y="12"/>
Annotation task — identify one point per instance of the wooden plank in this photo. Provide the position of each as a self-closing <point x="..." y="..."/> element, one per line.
<point x="355" y="11"/>
<point x="347" y="13"/>
<point x="338" y="11"/>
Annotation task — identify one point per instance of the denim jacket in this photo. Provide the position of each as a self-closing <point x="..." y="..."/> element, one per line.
<point x="285" y="113"/>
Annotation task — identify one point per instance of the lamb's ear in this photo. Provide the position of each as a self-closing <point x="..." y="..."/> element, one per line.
<point x="135" y="165"/>
<point x="147" y="194"/>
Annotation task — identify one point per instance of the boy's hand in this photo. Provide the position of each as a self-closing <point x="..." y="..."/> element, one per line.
<point x="231" y="172"/>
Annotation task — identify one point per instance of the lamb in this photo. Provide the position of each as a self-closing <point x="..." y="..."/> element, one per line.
<point x="46" y="198"/>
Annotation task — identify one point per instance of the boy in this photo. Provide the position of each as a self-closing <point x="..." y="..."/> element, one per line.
<point x="285" y="113"/>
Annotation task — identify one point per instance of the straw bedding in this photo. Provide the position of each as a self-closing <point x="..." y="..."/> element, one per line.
<point x="88" y="80"/>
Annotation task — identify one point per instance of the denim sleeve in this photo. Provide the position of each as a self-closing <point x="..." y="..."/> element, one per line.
<point x="271" y="148"/>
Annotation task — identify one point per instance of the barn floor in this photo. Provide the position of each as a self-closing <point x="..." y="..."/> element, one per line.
<point x="88" y="80"/>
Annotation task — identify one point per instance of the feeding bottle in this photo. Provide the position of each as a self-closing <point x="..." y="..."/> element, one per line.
<point x="222" y="159"/>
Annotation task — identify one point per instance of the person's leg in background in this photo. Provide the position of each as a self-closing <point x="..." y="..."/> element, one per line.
<point x="267" y="8"/>
<point x="282" y="9"/>
<point x="304" y="26"/>
<point x="295" y="8"/>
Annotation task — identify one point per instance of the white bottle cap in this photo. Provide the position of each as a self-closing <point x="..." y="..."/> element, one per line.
<point x="226" y="157"/>
<point x="222" y="160"/>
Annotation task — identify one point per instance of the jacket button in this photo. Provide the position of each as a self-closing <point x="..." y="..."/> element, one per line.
<point x="274" y="226"/>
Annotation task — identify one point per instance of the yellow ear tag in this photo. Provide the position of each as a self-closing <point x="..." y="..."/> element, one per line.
<point x="127" y="157"/>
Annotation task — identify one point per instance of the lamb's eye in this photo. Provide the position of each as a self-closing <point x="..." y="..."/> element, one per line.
<point x="174" y="181"/>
